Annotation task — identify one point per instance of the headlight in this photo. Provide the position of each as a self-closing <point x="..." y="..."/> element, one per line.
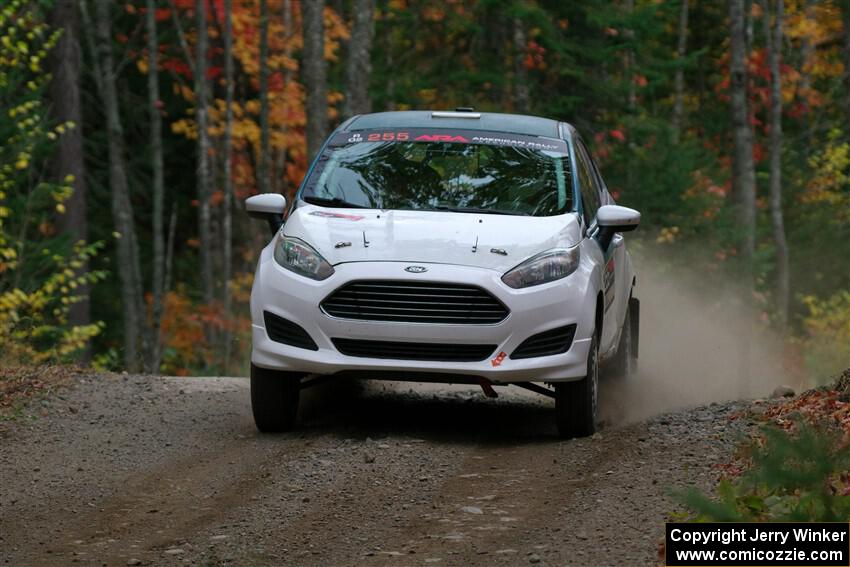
<point x="545" y="267"/>
<point x="299" y="257"/>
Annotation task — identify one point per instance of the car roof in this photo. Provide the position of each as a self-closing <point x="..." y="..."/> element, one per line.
<point x="458" y="120"/>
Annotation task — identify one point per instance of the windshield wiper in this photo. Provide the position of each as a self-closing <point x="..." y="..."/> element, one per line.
<point x="332" y="202"/>
<point x="480" y="210"/>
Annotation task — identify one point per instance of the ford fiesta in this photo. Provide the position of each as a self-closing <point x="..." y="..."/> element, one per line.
<point x="456" y="247"/>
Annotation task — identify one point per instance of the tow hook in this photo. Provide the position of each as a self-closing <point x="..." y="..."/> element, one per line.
<point x="487" y="386"/>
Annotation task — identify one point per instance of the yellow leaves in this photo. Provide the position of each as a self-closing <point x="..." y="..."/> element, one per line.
<point x="142" y="65"/>
<point x="185" y="127"/>
<point x="830" y="174"/>
<point x="60" y="208"/>
<point x="827" y="326"/>
<point x="253" y="106"/>
<point x="667" y="235"/>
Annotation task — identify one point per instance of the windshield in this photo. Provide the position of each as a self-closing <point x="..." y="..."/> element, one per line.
<point x="443" y="175"/>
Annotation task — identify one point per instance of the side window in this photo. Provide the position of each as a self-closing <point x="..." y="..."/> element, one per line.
<point x="588" y="184"/>
<point x="607" y="199"/>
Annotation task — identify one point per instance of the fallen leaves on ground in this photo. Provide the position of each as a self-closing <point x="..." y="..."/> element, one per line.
<point x="19" y="384"/>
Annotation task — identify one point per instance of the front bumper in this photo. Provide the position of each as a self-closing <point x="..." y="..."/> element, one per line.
<point x="532" y="310"/>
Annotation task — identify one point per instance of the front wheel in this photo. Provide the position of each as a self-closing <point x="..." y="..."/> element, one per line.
<point x="575" y="402"/>
<point x="274" y="399"/>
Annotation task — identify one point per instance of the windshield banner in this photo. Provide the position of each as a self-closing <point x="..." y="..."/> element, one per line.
<point x="451" y="137"/>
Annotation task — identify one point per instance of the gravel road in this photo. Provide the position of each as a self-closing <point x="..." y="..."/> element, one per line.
<point x="132" y="470"/>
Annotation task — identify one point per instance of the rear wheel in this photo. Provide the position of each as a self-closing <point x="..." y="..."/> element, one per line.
<point x="575" y="402"/>
<point x="274" y="399"/>
<point x="624" y="363"/>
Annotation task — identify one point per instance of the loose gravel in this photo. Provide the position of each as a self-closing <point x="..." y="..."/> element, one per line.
<point x="134" y="470"/>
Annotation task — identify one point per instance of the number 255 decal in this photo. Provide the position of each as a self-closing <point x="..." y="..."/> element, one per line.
<point x="388" y="137"/>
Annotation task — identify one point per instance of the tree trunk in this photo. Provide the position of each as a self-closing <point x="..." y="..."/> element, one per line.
<point x="204" y="221"/>
<point x="630" y="59"/>
<point x="679" y="85"/>
<point x="743" y="172"/>
<point x="386" y="40"/>
<point x="122" y="209"/>
<point x="774" y="46"/>
<point x="743" y="178"/>
<point x="227" y="222"/>
<point x="845" y="17"/>
<point x="264" y="170"/>
<point x="158" y="189"/>
<point x="314" y="74"/>
<point x="358" y="71"/>
<point x="806" y="54"/>
<point x="521" y="96"/>
<point x="65" y="107"/>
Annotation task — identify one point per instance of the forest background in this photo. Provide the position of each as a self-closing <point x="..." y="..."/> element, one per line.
<point x="132" y="132"/>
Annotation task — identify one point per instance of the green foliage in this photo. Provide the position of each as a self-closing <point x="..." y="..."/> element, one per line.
<point x="827" y="333"/>
<point x="794" y="476"/>
<point x="40" y="272"/>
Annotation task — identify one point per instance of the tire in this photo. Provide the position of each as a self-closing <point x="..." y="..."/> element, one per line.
<point x="624" y="363"/>
<point x="274" y="399"/>
<point x="575" y="402"/>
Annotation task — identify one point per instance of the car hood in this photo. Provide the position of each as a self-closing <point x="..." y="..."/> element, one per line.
<point x="367" y="235"/>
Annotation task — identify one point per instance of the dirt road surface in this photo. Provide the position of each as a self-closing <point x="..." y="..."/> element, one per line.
<point x="131" y="470"/>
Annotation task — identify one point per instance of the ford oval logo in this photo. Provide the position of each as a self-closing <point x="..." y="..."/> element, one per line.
<point x="416" y="269"/>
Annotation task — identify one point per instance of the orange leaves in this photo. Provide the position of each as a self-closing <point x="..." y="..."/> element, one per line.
<point x="814" y="406"/>
<point x="534" y="53"/>
<point x="187" y="347"/>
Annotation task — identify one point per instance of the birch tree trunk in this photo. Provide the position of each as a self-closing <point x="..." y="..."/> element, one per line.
<point x="227" y="221"/>
<point x="679" y="80"/>
<point x="314" y="74"/>
<point x="358" y="71"/>
<point x="743" y="178"/>
<point x="129" y="271"/>
<point x="65" y="106"/>
<point x="774" y="47"/>
<point x="743" y="172"/>
<point x="158" y="188"/>
<point x="264" y="170"/>
<point x="204" y="221"/>
<point x="521" y="96"/>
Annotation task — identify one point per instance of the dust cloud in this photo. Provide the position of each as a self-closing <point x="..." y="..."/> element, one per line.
<point x="698" y="344"/>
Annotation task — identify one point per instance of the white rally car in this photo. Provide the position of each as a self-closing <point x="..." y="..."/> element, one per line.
<point x="456" y="247"/>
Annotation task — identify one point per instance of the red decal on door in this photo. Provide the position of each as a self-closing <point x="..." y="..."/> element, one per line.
<point x="498" y="360"/>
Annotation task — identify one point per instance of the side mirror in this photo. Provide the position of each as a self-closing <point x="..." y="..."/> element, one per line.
<point x="269" y="207"/>
<point x="612" y="219"/>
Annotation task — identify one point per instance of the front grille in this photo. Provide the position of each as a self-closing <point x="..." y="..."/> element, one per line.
<point x="439" y="352"/>
<point x="284" y="331"/>
<point x="547" y="343"/>
<point x="415" y="302"/>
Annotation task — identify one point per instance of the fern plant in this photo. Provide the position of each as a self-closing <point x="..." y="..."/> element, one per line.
<point x="799" y="474"/>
